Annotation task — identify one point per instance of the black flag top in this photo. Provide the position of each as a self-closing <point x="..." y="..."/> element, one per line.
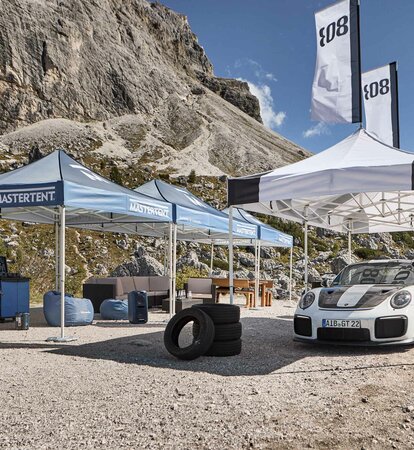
<point x="336" y="89"/>
<point x="380" y="92"/>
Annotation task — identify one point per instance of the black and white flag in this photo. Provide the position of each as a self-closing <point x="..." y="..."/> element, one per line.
<point x="380" y="92"/>
<point x="336" y="90"/>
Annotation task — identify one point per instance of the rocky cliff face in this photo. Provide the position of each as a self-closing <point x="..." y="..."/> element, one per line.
<point x="126" y="80"/>
<point x="125" y="87"/>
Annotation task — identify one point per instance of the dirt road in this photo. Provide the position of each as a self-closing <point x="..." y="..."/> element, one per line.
<point x="117" y="387"/>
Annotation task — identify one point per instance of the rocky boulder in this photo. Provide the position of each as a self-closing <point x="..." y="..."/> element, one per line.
<point x="140" y="266"/>
<point x="235" y="92"/>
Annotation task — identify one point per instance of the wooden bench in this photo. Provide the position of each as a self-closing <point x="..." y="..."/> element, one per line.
<point x="241" y="285"/>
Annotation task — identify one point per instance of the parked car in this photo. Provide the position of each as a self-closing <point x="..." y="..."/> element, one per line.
<point x="368" y="303"/>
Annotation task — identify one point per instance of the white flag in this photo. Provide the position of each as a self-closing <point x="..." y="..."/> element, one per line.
<point x="380" y="92"/>
<point x="336" y="90"/>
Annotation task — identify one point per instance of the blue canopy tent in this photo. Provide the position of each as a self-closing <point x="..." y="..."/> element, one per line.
<point x="268" y="237"/>
<point x="194" y="219"/>
<point x="58" y="190"/>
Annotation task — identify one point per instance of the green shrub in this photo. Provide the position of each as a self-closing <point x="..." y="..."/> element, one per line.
<point x="192" y="176"/>
<point x="188" y="272"/>
<point x="220" y="264"/>
<point x="115" y="175"/>
<point x="404" y="238"/>
<point x="367" y="253"/>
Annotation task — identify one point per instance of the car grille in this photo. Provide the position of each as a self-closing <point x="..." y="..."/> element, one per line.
<point x="343" y="334"/>
<point x="302" y="325"/>
<point x="390" y="327"/>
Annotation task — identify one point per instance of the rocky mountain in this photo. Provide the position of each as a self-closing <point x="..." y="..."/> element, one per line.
<point x="125" y="80"/>
<point x="125" y="87"/>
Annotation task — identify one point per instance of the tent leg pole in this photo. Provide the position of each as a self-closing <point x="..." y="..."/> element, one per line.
<point x="62" y="274"/>
<point x="62" y="243"/>
<point x="290" y="273"/>
<point x="256" y="275"/>
<point x="349" y="247"/>
<point x="211" y="259"/>
<point x="174" y="280"/>
<point x="306" y="256"/>
<point x="57" y="231"/>
<point x="165" y="256"/>
<point x="231" y="275"/>
<point x="170" y="268"/>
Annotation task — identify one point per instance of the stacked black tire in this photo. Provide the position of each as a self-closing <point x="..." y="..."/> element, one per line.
<point x="227" y="329"/>
<point x="216" y="331"/>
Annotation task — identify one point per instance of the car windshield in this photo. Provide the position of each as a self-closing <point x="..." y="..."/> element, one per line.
<point x="376" y="273"/>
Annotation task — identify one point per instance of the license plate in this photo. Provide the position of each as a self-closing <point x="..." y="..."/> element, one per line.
<point x="339" y="323"/>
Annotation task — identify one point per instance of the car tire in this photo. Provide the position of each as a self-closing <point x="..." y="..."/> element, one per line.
<point x="223" y="332"/>
<point x="225" y="348"/>
<point x="201" y="343"/>
<point x="220" y="313"/>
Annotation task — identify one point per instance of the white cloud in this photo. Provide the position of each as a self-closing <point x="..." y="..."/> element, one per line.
<point x="255" y="69"/>
<point x="269" y="76"/>
<point x="271" y="118"/>
<point x="317" y="130"/>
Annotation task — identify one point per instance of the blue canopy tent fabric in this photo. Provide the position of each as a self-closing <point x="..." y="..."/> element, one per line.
<point x="194" y="219"/>
<point x="58" y="190"/>
<point x="268" y="235"/>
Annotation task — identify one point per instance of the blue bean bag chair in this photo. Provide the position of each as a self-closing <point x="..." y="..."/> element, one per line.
<point x="78" y="311"/>
<point x="112" y="309"/>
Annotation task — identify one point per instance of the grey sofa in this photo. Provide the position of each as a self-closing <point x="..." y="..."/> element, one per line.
<point x="100" y="289"/>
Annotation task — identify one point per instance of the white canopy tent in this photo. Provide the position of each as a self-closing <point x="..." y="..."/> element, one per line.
<point x="359" y="185"/>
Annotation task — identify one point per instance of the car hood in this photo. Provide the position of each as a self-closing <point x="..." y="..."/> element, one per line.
<point x="358" y="296"/>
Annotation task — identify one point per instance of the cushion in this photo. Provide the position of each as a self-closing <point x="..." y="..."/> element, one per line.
<point x="127" y="284"/>
<point x="141" y="284"/>
<point x="201" y="295"/>
<point x="158" y="284"/>
<point x="112" y="309"/>
<point x="109" y="280"/>
<point x="78" y="311"/>
<point x="200" y="285"/>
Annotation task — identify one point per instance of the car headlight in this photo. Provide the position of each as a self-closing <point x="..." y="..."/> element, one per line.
<point x="306" y="300"/>
<point x="400" y="299"/>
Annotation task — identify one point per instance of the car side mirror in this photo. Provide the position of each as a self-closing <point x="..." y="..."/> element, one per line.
<point x="325" y="283"/>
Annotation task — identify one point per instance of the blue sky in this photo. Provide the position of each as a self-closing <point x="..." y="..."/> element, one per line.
<point x="271" y="44"/>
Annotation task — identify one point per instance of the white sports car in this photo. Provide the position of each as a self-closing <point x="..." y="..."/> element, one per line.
<point x="368" y="303"/>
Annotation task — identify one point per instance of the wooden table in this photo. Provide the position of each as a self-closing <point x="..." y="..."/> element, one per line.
<point x="246" y="287"/>
<point x="223" y="286"/>
<point x="263" y="286"/>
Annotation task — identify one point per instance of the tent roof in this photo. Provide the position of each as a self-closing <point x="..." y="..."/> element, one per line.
<point x="196" y="219"/>
<point x="359" y="184"/>
<point x="32" y="193"/>
<point x="268" y="235"/>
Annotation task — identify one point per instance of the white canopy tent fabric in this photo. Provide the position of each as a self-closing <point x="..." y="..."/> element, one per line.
<point x="58" y="190"/>
<point x="359" y="185"/>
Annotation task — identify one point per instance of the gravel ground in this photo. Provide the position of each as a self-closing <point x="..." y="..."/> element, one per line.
<point x="117" y="387"/>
